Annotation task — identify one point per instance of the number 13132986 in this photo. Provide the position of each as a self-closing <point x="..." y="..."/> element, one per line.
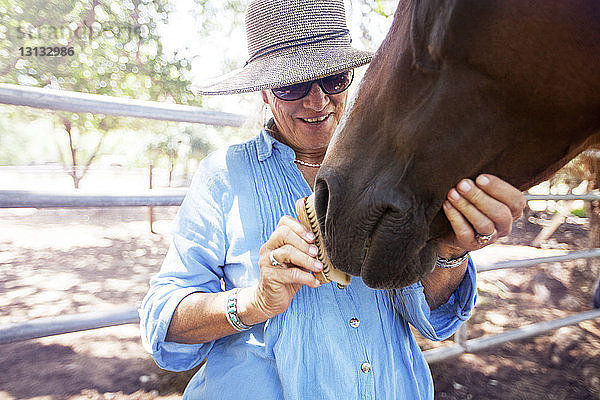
<point x="46" y="51"/>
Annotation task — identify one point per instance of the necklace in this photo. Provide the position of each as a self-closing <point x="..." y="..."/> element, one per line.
<point x="307" y="164"/>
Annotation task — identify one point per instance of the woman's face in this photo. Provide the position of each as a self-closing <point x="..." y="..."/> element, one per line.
<point x="307" y="125"/>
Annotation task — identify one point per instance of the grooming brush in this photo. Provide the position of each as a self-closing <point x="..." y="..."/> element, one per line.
<point x="305" y="208"/>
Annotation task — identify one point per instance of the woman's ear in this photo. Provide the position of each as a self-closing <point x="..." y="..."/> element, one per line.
<point x="263" y="94"/>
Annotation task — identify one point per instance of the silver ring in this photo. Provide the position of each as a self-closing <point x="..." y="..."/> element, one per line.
<point x="274" y="262"/>
<point x="484" y="239"/>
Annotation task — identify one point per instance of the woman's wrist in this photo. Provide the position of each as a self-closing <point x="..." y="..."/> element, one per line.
<point x="450" y="263"/>
<point x="247" y="307"/>
<point x="449" y="252"/>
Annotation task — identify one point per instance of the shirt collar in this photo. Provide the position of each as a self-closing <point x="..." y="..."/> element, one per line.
<point x="265" y="144"/>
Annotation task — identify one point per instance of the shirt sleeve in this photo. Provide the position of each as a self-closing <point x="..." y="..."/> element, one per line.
<point x="441" y="323"/>
<point x="193" y="264"/>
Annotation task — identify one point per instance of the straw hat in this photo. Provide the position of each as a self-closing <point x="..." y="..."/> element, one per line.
<point x="291" y="41"/>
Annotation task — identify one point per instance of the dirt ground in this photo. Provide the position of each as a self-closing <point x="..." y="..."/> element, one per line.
<point x="55" y="262"/>
<point x="563" y="364"/>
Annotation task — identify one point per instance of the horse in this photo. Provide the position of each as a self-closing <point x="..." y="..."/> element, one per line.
<point x="457" y="88"/>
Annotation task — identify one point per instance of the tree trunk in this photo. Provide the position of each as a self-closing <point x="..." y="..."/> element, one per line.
<point x="561" y="214"/>
<point x="73" y="152"/>
<point x="78" y="171"/>
<point x="171" y="169"/>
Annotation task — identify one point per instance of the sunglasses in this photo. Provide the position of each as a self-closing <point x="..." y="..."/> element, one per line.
<point x="333" y="84"/>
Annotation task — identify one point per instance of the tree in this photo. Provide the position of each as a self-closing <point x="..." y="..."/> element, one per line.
<point x="372" y="18"/>
<point x="118" y="51"/>
<point x="171" y="147"/>
<point x="99" y="46"/>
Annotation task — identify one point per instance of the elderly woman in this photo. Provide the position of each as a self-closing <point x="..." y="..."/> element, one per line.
<point x="237" y="289"/>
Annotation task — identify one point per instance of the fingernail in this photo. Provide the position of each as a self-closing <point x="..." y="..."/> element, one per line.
<point x="447" y="205"/>
<point x="318" y="265"/>
<point x="310" y="236"/>
<point x="464" y="186"/>
<point x="483" y="180"/>
<point x="313" y="251"/>
<point x="454" y="194"/>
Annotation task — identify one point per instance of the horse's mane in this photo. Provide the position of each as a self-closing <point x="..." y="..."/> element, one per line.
<point x="429" y="23"/>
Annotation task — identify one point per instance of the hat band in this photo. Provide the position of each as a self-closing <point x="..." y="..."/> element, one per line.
<point x="296" y="43"/>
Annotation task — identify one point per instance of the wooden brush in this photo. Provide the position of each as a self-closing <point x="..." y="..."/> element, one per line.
<point x="305" y="208"/>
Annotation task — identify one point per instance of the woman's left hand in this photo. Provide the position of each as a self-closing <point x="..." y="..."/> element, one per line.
<point x="480" y="212"/>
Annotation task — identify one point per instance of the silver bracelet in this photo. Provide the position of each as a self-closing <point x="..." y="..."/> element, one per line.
<point x="231" y="312"/>
<point x="452" y="262"/>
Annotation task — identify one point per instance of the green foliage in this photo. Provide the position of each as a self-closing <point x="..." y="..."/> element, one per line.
<point x="19" y="141"/>
<point x="381" y="9"/>
<point x="117" y="51"/>
<point x="580" y="212"/>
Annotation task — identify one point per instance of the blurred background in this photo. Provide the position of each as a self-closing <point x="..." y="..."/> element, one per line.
<point x="146" y="50"/>
<point x="62" y="261"/>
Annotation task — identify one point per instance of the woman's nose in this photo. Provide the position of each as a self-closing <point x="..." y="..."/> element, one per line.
<point x="316" y="99"/>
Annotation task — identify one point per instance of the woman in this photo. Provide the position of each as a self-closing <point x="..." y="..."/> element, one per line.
<point x="236" y="287"/>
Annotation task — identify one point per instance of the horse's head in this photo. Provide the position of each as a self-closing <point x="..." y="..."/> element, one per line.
<point x="458" y="88"/>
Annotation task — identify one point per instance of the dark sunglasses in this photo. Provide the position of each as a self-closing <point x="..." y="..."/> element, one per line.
<point x="333" y="84"/>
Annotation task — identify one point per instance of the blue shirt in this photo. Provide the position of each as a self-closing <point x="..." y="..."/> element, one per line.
<point x="331" y="343"/>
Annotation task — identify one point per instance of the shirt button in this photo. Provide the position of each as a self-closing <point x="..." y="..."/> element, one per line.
<point x="354" y="322"/>
<point x="366" y="367"/>
<point x="340" y="286"/>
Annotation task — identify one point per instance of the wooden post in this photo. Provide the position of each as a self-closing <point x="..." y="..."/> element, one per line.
<point x="150" y="209"/>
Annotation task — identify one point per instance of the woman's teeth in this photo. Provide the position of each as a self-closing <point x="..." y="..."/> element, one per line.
<point x="315" y="120"/>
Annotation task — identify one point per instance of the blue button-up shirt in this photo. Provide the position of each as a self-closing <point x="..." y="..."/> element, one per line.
<point x="331" y="343"/>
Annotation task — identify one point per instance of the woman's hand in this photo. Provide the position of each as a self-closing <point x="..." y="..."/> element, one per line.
<point x="292" y="246"/>
<point x="477" y="210"/>
<point x="480" y="212"/>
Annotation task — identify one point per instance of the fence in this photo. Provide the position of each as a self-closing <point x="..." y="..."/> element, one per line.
<point x="75" y="102"/>
<point x="61" y="100"/>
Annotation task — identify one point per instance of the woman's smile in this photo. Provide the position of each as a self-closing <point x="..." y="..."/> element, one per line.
<point x="316" y="120"/>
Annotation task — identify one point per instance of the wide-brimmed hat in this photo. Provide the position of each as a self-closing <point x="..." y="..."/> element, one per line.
<point x="291" y="41"/>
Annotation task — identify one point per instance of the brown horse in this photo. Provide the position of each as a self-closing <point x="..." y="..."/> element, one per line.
<point x="458" y="88"/>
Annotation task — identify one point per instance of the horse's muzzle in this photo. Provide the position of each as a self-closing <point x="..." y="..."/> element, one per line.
<point x="384" y="240"/>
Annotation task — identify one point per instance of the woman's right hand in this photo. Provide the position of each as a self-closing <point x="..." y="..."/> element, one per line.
<point x="292" y="245"/>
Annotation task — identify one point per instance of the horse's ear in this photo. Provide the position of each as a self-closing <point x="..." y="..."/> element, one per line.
<point x="429" y="26"/>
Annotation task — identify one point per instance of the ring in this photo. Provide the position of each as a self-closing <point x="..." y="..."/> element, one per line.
<point x="274" y="262"/>
<point x="483" y="239"/>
